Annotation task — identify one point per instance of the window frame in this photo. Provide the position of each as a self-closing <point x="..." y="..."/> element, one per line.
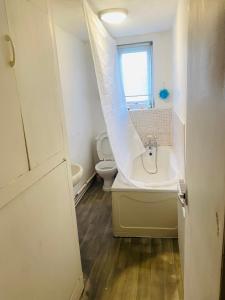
<point x="133" y="48"/>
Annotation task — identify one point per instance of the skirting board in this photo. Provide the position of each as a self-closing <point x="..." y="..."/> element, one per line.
<point x="79" y="195"/>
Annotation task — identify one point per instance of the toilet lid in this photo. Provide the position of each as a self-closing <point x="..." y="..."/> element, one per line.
<point x="103" y="147"/>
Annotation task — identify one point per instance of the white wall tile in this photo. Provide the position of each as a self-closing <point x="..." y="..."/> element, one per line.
<point x="156" y="122"/>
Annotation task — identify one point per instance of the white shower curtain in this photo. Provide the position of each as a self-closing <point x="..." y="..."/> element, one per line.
<point x="125" y="142"/>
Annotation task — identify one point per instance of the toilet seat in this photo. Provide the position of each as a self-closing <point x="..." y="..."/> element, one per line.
<point x="103" y="147"/>
<point x="105" y="166"/>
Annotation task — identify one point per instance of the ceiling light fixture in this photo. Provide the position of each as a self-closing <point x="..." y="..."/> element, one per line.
<point x="113" y="15"/>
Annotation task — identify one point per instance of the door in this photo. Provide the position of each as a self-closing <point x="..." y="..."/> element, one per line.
<point x="36" y="75"/>
<point x="205" y="150"/>
<point x="39" y="253"/>
<point x="13" y="156"/>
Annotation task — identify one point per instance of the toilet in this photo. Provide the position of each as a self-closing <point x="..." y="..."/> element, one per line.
<point x="106" y="168"/>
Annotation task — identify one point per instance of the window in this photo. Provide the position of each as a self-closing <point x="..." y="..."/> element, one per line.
<point x="136" y="75"/>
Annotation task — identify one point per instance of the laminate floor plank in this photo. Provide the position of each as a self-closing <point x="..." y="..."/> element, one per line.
<point x="123" y="268"/>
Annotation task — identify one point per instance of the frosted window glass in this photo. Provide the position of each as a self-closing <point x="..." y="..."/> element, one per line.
<point x="136" y="75"/>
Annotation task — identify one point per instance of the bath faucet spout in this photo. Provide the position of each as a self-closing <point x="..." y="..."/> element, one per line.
<point x="152" y="141"/>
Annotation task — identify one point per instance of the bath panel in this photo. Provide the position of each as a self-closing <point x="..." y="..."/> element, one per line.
<point x="150" y="211"/>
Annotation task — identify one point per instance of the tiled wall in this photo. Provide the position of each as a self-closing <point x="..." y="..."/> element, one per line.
<point x="156" y="122"/>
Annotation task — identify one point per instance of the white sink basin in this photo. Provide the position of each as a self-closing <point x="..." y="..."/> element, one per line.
<point x="77" y="173"/>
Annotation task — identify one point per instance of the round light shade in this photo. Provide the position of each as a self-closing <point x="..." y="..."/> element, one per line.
<point x="113" y="15"/>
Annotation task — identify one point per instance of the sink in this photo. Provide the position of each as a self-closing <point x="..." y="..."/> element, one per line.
<point x="77" y="173"/>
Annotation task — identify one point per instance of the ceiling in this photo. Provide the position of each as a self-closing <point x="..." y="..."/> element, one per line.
<point x="144" y="16"/>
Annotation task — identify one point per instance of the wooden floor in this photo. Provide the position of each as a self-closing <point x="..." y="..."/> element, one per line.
<point x="123" y="268"/>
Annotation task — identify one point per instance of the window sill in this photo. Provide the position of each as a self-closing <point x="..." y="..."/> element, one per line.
<point x="141" y="105"/>
<point x="140" y="109"/>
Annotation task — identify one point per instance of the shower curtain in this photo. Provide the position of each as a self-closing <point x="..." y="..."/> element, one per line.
<point x="125" y="142"/>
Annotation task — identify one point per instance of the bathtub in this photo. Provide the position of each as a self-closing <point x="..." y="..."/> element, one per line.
<point x="146" y="206"/>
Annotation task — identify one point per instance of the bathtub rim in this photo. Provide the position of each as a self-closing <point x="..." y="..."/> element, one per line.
<point x="120" y="186"/>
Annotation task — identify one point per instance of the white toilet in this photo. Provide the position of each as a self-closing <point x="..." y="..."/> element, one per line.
<point x="106" y="168"/>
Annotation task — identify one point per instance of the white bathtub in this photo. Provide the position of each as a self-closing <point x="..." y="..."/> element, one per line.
<point x="148" y="205"/>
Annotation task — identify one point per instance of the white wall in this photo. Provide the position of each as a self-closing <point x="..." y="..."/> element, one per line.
<point x="98" y="119"/>
<point x="180" y="36"/>
<point x="81" y="100"/>
<point x="180" y="31"/>
<point x="162" y="62"/>
<point x="180" y="60"/>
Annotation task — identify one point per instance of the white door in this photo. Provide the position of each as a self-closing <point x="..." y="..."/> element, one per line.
<point x="39" y="248"/>
<point x="205" y="150"/>
<point x="31" y="30"/>
<point x="13" y="156"/>
<point x="39" y="253"/>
